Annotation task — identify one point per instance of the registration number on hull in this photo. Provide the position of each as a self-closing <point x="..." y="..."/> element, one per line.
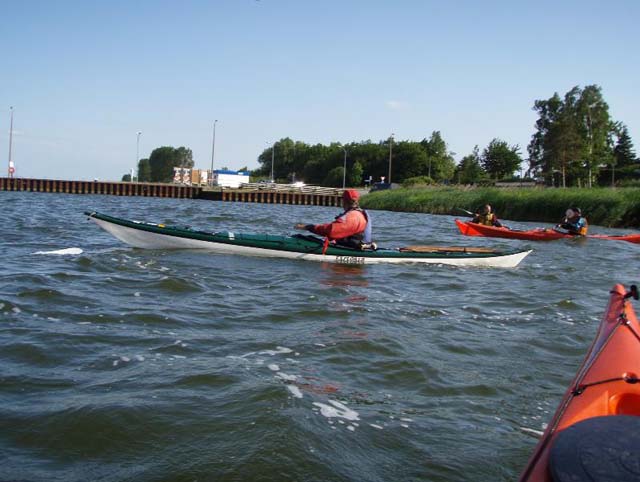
<point x="349" y="260"/>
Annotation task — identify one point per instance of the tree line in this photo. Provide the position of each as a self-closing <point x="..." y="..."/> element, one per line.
<point x="575" y="143"/>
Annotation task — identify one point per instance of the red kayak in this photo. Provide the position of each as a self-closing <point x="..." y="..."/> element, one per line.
<point x="539" y="234"/>
<point x="595" y="432"/>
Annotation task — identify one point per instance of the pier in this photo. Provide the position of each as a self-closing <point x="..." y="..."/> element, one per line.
<point x="251" y="193"/>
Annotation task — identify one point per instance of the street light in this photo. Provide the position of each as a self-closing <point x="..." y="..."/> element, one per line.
<point x="273" y="156"/>
<point x="137" y="155"/>
<point x="213" y="149"/>
<point x="11" y="167"/>
<point x="344" y="169"/>
<point x="390" y="152"/>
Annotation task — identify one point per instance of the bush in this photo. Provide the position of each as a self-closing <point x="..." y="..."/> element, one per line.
<point x="418" y="181"/>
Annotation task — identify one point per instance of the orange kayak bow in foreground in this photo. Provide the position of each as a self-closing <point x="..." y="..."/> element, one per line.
<point x="595" y="432"/>
<point x="539" y="234"/>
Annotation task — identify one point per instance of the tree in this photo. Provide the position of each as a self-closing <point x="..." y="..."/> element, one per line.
<point x="500" y="160"/>
<point x="334" y="177"/>
<point x="623" y="150"/>
<point x="163" y="159"/>
<point x="440" y="164"/>
<point x="624" y="163"/>
<point x="470" y="171"/>
<point x="184" y="157"/>
<point x="354" y="175"/>
<point x="144" y="170"/>
<point x="573" y="136"/>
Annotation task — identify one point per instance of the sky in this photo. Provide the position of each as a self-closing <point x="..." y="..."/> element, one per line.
<point x="84" y="78"/>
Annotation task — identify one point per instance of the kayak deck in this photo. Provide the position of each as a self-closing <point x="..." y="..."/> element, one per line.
<point x="606" y="384"/>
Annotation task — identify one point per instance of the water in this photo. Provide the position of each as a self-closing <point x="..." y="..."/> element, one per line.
<point x="124" y="364"/>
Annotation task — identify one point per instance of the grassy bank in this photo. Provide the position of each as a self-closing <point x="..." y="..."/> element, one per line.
<point x="602" y="206"/>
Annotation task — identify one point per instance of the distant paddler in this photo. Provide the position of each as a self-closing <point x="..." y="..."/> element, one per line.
<point x="486" y="217"/>
<point x="574" y="223"/>
<point x="351" y="228"/>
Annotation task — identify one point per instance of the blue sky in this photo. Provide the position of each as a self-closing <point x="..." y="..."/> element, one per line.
<point x="85" y="77"/>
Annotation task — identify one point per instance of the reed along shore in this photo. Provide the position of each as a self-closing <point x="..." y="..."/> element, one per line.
<point x="617" y="208"/>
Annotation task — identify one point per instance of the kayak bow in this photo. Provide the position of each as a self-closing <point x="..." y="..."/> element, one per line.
<point x="468" y="228"/>
<point x="158" y="236"/>
<point x="588" y="428"/>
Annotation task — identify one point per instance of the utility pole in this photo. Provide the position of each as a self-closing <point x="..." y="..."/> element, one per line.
<point x="344" y="170"/>
<point x="213" y="150"/>
<point x="390" y="154"/>
<point x="137" y="157"/>
<point x="11" y="167"/>
<point x="273" y="156"/>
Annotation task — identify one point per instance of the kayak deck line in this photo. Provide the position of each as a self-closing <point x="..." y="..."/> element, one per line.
<point x="605" y="387"/>
<point x="160" y="236"/>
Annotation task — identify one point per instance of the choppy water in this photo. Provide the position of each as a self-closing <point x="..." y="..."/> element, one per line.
<point x="124" y="364"/>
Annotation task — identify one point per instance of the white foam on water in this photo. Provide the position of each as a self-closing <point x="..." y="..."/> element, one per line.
<point x="179" y="356"/>
<point x="1" y="305"/>
<point x="15" y="309"/>
<point x="62" y="251"/>
<point x="376" y="426"/>
<point x="404" y="425"/>
<point x="273" y="367"/>
<point x="407" y="419"/>
<point x="531" y="431"/>
<point x="51" y="318"/>
<point x="115" y="363"/>
<point x="279" y="350"/>
<point x="84" y="323"/>
<point x="295" y="391"/>
<point x="320" y="344"/>
<point x="352" y="428"/>
<point x="137" y="293"/>
<point x="287" y="377"/>
<point x="139" y="358"/>
<point x="338" y="410"/>
<point x="125" y="358"/>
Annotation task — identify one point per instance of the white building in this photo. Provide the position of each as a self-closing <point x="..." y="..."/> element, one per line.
<point x="225" y="178"/>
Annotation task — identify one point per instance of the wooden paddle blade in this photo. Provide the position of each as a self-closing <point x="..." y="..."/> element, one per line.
<point x="445" y="249"/>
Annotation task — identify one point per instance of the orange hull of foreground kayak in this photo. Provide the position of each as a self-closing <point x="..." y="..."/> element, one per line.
<point x="539" y="234"/>
<point x="605" y="384"/>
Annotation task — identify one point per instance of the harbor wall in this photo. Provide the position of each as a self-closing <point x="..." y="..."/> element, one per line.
<point x="267" y="195"/>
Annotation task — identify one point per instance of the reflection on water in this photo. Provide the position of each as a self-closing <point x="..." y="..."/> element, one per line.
<point x="334" y="274"/>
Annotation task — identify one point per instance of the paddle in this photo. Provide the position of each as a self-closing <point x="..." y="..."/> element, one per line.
<point x="465" y="211"/>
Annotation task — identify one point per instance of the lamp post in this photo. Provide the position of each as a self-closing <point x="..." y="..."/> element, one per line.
<point x="344" y="169"/>
<point x="11" y="168"/>
<point x="213" y="149"/>
<point x="273" y="156"/>
<point x="390" y="153"/>
<point x="137" y="155"/>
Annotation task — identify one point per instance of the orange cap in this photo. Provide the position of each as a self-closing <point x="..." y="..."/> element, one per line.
<point x="350" y="195"/>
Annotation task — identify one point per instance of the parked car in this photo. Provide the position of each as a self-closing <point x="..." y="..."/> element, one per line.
<point x="380" y="186"/>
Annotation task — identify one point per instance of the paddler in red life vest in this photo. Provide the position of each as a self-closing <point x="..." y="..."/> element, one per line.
<point x="486" y="216"/>
<point x="352" y="228"/>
